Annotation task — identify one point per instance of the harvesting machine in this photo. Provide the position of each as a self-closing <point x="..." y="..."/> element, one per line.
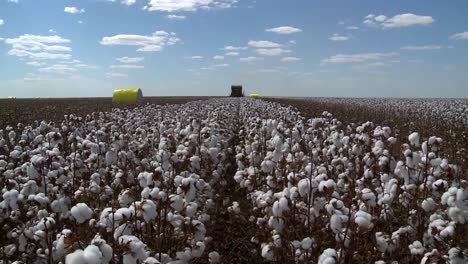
<point x="236" y="91"/>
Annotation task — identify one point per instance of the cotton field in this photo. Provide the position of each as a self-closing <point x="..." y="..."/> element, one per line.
<point x="230" y="180"/>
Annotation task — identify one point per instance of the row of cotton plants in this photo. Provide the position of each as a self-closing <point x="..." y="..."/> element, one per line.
<point x="448" y="110"/>
<point x="154" y="184"/>
<point x="129" y="186"/>
<point x="325" y="193"/>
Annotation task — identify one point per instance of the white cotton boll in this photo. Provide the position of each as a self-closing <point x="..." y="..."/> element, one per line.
<point x="458" y="215"/>
<point x="413" y="138"/>
<point x="11" y="199"/>
<point x="151" y="260"/>
<point x="92" y="255"/>
<point x="183" y="257"/>
<point x="449" y="231"/>
<point x="283" y="203"/>
<point x="149" y="210"/>
<point x="105" y="249"/>
<point x="81" y="212"/>
<point x="125" y="198"/>
<point x="429" y="205"/>
<point x="363" y="219"/>
<point x="268" y="253"/>
<point x="276" y="209"/>
<point x="304" y="187"/>
<point x="457" y="257"/>
<point x="416" y="248"/>
<point x="336" y="222"/>
<point x="276" y="223"/>
<point x="214" y="257"/>
<point x="326" y="185"/>
<point x="306" y="243"/>
<point x="368" y="197"/>
<point x="77" y="257"/>
<point x="111" y="157"/>
<point x="328" y="256"/>
<point x="146" y="193"/>
<point x="198" y="250"/>
<point x="267" y="166"/>
<point x="191" y="209"/>
<point x="136" y="248"/>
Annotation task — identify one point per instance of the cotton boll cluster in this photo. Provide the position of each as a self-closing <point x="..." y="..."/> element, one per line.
<point x="317" y="166"/>
<point x="155" y="183"/>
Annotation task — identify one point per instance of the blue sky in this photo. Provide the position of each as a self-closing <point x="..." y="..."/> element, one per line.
<point x="400" y="48"/>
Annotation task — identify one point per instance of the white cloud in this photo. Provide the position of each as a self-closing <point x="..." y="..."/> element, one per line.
<point x="58" y="68"/>
<point x="284" y="30"/>
<point x="401" y="20"/>
<point x="220" y="65"/>
<point x="35" y="63"/>
<point x="154" y="42"/>
<point x="176" y="17"/>
<point x="369" y="65"/>
<point x="218" y="57"/>
<point x="380" y="18"/>
<point x="232" y="53"/>
<point x="38" y="47"/>
<point x="354" y="58"/>
<point x="234" y="48"/>
<point x="197" y="57"/>
<point x="338" y="37"/>
<point x="462" y="35"/>
<point x="86" y="66"/>
<point x="128" y="2"/>
<point x="2" y="22"/>
<point x="267" y="70"/>
<point x="263" y="44"/>
<point x="12" y="1"/>
<point x="427" y="47"/>
<point x="250" y="59"/>
<point x="130" y="59"/>
<point x="116" y="74"/>
<point x="290" y="59"/>
<point x="52" y="31"/>
<point x="127" y="66"/>
<point x="80" y="22"/>
<point x="187" y="5"/>
<point x="352" y="28"/>
<point x="73" y="10"/>
<point x="272" y="52"/>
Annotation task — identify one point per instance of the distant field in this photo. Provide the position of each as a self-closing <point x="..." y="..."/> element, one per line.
<point x="14" y="111"/>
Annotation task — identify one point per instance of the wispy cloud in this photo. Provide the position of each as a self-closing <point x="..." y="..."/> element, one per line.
<point x="176" y="17"/>
<point x="290" y="59"/>
<point x="397" y="21"/>
<point x="459" y="36"/>
<point x="147" y="43"/>
<point x="426" y="47"/>
<point x="127" y="66"/>
<point x="284" y="30"/>
<point x="187" y="5"/>
<point x="354" y="58"/>
<point x="73" y="10"/>
<point x="263" y="44"/>
<point x="130" y="59"/>
<point x="272" y="52"/>
<point x="338" y="37"/>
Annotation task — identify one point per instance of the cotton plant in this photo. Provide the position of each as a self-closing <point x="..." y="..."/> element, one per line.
<point x="148" y="185"/>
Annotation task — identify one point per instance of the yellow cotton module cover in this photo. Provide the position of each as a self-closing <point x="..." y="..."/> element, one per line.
<point x="254" y="95"/>
<point x="127" y="95"/>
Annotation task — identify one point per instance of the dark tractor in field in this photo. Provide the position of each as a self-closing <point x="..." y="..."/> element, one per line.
<point x="236" y="91"/>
